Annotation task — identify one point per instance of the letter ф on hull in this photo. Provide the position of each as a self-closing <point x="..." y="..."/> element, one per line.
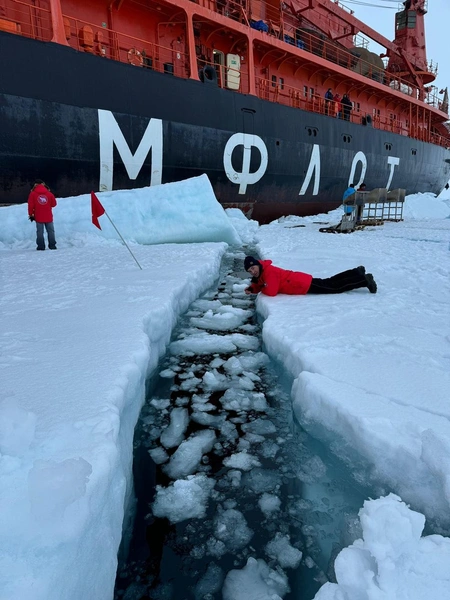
<point x="85" y="116"/>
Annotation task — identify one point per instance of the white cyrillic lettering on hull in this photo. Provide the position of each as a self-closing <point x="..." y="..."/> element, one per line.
<point x="313" y="167"/>
<point x="359" y="157"/>
<point x="110" y="134"/>
<point x="245" y="178"/>
<point x="393" y="161"/>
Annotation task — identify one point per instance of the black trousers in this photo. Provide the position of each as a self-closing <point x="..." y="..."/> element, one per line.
<point x="342" y="282"/>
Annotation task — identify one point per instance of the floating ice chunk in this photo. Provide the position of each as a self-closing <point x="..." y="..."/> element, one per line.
<point x="238" y="301"/>
<point x="216" y="547"/>
<point x="203" y="418"/>
<point x="160" y="404"/>
<point x="159" y="455"/>
<point x="230" y="527"/>
<point x="269" y="503"/>
<point x="206" y="343"/>
<point x="245" y="342"/>
<point x="189" y="454"/>
<point x="203" y="305"/>
<point x="280" y="548"/>
<point x="204" y="407"/>
<point x="210" y="583"/>
<point x="216" y="363"/>
<point x="229" y="431"/>
<point x="311" y="469"/>
<point x="259" y="426"/>
<point x="244" y="383"/>
<point x="309" y="562"/>
<point x="53" y="486"/>
<point x="253" y="361"/>
<point x="262" y="480"/>
<point x="242" y="461"/>
<point x="243" y="445"/>
<point x="233" y="366"/>
<point x="256" y="581"/>
<point x="203" y="344"/>
<point x="167" y="373"/>
<point x="190" y="384"/>
<point x="235" y="477"/>
<point x="17" y="428"/>
<point x="198" y="399"/>
<point x="223" y="321"/>
<point x="252" y="376"/>
<point x="214" y="381"/>
<point x="185" y="499"/>
<point x="173" y="435"/>
<point x="242" y="400"/>
<point x="254" y="438"/>
<point x="269" y="449"/>
<point x="186" y="375"/>
<point x="184" y="401"/>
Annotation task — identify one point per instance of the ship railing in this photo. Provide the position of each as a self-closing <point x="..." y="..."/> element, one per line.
<point x="107" y="43"/>
<point x="344" y="7"/>
<point x="281" y="23"/>
<point x="279" y="92"/>
<point x="233" y="9"/>
<point x="433" y="67"/>
<point x="359" y="41"/>
<point x="29" y="21"/>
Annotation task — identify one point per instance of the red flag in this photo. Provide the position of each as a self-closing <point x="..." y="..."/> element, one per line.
<point x="96" y="209"/>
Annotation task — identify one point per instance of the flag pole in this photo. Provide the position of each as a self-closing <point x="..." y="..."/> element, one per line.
<point x="123" y="240"/>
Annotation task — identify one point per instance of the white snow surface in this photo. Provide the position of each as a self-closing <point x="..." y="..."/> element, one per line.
<point x="82" y="328"/>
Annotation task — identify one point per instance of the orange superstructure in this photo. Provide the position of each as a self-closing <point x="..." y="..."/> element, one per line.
<point x="285" y="52"/>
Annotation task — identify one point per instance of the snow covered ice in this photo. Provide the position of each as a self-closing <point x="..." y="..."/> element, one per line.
<point x="82" y="329"/>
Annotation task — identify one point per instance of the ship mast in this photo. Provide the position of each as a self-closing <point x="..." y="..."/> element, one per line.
<point x="411" y="61"/>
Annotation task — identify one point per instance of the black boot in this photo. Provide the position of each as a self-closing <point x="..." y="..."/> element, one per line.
<point x="371" y="285"/>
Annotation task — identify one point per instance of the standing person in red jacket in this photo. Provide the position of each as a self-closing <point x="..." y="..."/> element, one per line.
<point x="40" y="204"/>
<point x="271" y="280"/>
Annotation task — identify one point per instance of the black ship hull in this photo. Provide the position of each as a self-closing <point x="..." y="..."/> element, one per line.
<point x="83" y="123"/>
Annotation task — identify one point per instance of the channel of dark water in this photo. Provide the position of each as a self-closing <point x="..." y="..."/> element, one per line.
<point x="318" y="498"/>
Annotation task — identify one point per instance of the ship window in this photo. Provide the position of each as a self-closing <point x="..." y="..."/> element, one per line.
<point x="411" y="19"/>
<point x="312" y="131"/>
<point x="274" y="81"/>
<point x="413" y="151"/>
<point x="281" y="82"/>
<point x="388" y="146"/>
<point x="311" y="92"/>
<point x="305" y="90"/>
<point x="358" y="107"/>
<point x="400" y="20"/>
<point x="347" y="138"/>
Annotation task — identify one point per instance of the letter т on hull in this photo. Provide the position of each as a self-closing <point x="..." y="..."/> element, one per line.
<point x="122" y="95"/>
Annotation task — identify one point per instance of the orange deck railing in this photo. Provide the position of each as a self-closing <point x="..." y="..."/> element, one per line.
<point x="111" y="44"/>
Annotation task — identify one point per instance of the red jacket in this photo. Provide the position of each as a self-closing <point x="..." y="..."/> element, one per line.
<point x="40" y="204"/>
<point x="273" y="281"/>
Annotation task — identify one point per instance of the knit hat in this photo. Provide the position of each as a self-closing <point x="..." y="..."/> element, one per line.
<point x="249" y="261"/>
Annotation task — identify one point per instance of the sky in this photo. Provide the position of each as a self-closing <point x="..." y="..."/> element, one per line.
<point x="381" y="17"/>
<point x="83" y="327"/>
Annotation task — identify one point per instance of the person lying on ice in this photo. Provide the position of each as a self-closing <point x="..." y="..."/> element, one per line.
<point x="271" y="280"/>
